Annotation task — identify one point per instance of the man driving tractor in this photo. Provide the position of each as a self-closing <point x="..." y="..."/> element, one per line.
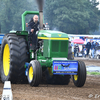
<point x="32" y="28"/>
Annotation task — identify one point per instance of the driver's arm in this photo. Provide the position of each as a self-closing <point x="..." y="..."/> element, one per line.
<point x="36" y="28"/>
<point x="29" y="22"/>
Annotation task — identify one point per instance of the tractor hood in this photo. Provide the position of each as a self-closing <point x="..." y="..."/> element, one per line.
<point x="49" y="34"/>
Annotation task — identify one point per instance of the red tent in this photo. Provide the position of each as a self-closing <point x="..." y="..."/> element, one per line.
<point x="78" y="41"/>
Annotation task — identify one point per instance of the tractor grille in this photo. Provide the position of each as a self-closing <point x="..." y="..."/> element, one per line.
<point x="55" y="46"/>
<point x="63" y="46"/>
<point x="59" y="46"/>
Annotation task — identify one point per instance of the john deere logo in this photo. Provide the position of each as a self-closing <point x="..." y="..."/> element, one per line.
<point x="59" y="35"/>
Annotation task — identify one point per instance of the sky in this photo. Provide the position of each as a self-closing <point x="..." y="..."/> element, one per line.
<point x="98" y="5"/>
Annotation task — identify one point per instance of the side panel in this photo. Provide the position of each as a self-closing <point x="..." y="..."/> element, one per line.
<point x="45" y="48"/>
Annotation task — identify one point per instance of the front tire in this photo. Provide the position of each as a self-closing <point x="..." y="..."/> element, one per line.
<point x="34" y="73"/>
<point x="79" y="80"/>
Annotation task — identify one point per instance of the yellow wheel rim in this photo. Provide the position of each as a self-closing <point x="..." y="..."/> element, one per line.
<point x="31" y="73"/>
<point x="6" y="60"/>
<point x="75" y="77"/>
<point x="50" y="71"/>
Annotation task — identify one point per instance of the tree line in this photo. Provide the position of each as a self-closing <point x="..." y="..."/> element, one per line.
<point x="70" y="16"/>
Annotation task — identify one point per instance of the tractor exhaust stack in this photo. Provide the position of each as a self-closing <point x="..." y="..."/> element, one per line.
<point x="40" y="6"/>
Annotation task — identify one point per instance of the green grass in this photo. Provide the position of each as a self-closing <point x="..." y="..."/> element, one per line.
<point x="93" y="73"/>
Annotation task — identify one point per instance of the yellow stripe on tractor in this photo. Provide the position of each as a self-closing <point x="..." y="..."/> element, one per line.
<point x="46" y="38"/>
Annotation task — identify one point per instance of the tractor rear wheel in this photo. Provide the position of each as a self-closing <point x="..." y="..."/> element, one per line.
<point x="13" y="57"/>
<point x="34" y="73"/>
<point x="80" y="78"/>
<point x="70" y="54"/>
<point x="56" y="79"/>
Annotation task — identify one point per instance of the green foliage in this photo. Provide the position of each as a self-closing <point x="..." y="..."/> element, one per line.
<point x="73" y="16"/>
<point x="11" y="11"/>
<point x="93" y="73"/>
<point x="70" y="16"/>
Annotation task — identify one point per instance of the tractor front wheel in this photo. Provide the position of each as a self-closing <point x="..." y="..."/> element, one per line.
<point x="70" y="54"/>
<point x="34" y="73"/>
<point x="80" y="78"/>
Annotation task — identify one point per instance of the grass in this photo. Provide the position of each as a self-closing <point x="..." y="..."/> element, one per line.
<point x="93" y="73"/>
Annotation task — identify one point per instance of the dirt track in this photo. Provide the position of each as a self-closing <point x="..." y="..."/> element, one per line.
<point x="59" y="92"/>
<point x="89" y="62"/>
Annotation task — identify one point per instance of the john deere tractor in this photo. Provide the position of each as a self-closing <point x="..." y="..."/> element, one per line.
<point x="53" y="56"/>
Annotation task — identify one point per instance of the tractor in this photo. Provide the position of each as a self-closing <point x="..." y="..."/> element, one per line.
<point x="54" y="56"/>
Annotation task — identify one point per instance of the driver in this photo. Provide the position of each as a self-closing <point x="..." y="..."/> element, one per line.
<point x="32" y="28"/>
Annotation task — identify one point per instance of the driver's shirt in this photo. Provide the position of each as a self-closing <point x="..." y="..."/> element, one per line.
<point x="33" y="25"/>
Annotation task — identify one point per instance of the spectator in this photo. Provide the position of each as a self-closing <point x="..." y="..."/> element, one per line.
<point x="96" y="45"/>
<point x="83" y="51"/>
<point x="88" y="47"/>
<point x="76" y="50"/>
<point x="92" y="48"/>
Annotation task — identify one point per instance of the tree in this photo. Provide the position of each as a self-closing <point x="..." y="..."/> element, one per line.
<point x="73" y="16"/>
<point x="11" y="11"/>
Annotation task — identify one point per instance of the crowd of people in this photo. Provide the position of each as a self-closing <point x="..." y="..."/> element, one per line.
<point x="86" y="49"/>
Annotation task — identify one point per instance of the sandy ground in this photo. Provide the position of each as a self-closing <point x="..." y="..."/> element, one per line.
<point x="89" y="62"/>
<point x="90" y="91"/>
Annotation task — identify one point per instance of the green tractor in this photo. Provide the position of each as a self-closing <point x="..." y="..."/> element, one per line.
<point x="54" y="57"/>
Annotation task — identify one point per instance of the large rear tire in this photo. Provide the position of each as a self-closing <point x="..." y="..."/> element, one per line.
<point x="34" y="73"/>
<point x="70" y="54"/>
<point x="13" y="57"/>
<point x="80" y="78"/>
<point x="56" y="79"/>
